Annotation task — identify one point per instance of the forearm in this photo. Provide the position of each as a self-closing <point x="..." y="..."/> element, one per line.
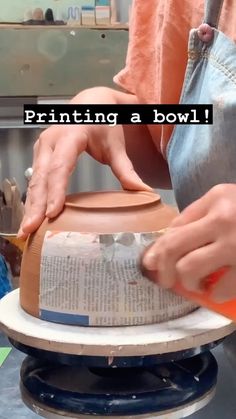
<point x="147" y="161"/>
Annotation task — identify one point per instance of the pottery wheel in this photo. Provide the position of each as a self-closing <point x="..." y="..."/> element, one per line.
<point x="128" y="362"/>
<point x="196" y="329"/>
<point x="173" y="390"/>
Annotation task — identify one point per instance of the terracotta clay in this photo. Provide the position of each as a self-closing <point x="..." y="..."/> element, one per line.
<point x="99" y="212"/>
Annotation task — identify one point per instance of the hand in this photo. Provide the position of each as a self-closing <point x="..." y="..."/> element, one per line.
<point x="55" y="157"/>
<point x="200" y="241"/>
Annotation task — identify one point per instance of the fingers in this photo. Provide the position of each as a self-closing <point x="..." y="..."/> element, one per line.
<point x="36" y="200"/>
<point x="55" y="156"/>
<point x="167" y="252"/>
<point x="194" y="268"/>
<point x="199" y="248"/>
<point x="123" y="169"/>
<point x="201" y="207"/>
<point x="193" y="212"/>
<point x="63" y="162"/>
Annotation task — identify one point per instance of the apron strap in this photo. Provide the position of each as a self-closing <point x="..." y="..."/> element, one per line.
<point x="212" y="12"/>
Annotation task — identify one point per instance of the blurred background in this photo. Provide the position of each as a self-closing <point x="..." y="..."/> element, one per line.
<point x="31" y="72"/>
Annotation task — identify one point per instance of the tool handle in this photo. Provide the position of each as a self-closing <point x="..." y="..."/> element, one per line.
<point x="214" y="278"/>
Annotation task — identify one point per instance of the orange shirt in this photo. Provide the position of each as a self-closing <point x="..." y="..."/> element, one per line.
<point x="157" y="51"/>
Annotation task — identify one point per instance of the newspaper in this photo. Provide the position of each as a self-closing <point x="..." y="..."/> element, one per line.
<point x="95" y="280"/>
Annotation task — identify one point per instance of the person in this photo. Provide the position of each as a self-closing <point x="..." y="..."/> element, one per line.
<point x="202" y="238"/>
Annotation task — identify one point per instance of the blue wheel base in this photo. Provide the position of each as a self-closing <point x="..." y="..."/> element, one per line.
<point x="119" y="391"/>
<point x="115" y="362"/>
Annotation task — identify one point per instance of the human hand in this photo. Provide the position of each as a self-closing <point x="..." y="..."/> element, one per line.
<point x="199" y="242"/>
<point x="55" y="157"/>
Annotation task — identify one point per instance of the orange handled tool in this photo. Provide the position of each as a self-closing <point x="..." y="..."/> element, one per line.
<point x="214" y="278"/>
<point x="227" y="309"/>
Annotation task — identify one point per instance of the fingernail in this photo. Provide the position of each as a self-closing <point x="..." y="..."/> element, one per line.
<point x="50" y="208"/>
<point x="26" y="223"/>
<point x="21" y="234"/>
<point x="149" y="261"/>
<point x="148" y="187"/>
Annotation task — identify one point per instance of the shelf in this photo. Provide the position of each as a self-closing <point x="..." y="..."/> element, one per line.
<point x="63" y="27"/>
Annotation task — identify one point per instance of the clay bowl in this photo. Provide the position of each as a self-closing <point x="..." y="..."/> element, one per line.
<point x="82" y="267"/>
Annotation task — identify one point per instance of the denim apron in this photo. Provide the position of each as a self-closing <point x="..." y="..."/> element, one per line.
<point x="201" y="156"/>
